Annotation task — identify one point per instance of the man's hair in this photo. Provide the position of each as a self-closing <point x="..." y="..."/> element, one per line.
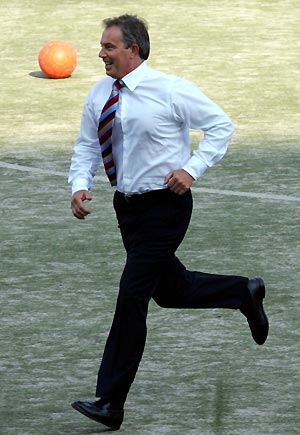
<point x="134" y="31"/>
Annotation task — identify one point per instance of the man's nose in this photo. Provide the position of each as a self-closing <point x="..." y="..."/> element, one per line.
<point x="101" y="53"/>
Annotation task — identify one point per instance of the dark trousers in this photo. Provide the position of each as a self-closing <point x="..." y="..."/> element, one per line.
<point x="152" y="226"/>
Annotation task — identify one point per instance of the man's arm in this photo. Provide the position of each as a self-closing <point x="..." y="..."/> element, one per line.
<point x="85" y="161"/>
<point x="197" y="111"/>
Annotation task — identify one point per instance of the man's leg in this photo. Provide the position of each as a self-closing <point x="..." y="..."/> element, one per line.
<point x="181" y="288"/>
<point x="127" y="337"/>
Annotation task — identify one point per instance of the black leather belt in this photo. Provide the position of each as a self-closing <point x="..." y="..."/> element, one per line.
<point x="144" y="196"/>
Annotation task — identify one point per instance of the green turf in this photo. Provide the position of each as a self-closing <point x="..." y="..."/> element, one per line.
<point x="201" y="373"/>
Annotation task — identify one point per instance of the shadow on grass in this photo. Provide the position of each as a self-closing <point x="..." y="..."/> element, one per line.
<point x="88" y="430"/>
<point x="39" y="75"/>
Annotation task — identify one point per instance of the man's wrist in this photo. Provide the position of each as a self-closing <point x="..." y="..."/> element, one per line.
<point x="195" y="167"/>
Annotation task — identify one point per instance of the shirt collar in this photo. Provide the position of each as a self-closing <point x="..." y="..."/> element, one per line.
<point x="133" y="78"/>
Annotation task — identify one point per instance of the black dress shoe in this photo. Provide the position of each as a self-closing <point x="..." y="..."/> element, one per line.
<point x="102" y="413"/>
<point x="256" y="316"/>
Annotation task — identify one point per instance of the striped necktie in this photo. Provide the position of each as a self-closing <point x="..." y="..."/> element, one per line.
<point x="105" y="131"/>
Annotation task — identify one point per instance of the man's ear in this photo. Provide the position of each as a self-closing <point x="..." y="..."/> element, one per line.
<point x="135" y="50"/>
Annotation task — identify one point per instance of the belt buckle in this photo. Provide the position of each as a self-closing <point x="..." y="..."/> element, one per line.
<point x="127" y="197"/>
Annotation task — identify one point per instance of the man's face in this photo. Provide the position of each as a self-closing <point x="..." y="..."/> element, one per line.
<point x="116" y="57"/>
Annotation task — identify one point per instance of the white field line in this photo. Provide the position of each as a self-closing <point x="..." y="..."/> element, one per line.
<point x="266" y="196"/>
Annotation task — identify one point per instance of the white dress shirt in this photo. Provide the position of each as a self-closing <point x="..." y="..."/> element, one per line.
<point x="151" y="131"/>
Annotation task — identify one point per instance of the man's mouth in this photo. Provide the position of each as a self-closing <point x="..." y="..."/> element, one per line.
<point x="107" y="63"/>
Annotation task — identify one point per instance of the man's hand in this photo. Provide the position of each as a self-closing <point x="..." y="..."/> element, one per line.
<point x="77" y="203"/>
<point x="179" y="181"/>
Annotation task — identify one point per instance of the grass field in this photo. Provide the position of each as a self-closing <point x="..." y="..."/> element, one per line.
<point x="201" y="373"/>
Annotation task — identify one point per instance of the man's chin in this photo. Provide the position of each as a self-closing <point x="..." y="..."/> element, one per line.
<point x="109" y="69"/>
<point x="111" y="74"/>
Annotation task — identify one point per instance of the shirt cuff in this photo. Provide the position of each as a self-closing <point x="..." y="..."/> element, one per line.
<point x="80" y="184"/>
<point x="195" y="167"/>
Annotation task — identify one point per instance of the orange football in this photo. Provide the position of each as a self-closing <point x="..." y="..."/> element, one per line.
<point x="58" y="59"/>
